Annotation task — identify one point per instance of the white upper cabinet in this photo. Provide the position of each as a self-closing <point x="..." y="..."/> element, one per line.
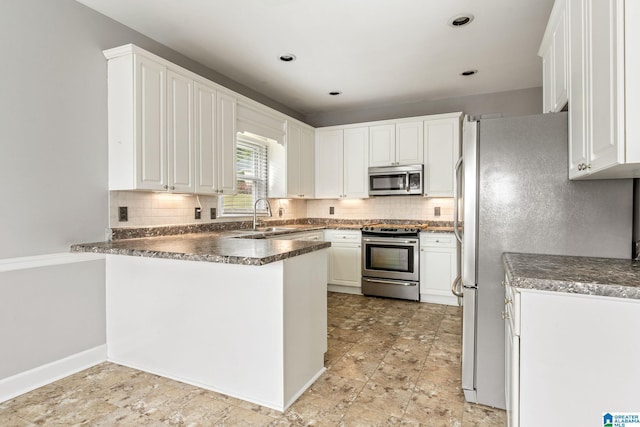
<point x="341" y="163"/>
<point x="300" y="161"/>
<point x="180" y="133"/>
<point x="554" y="51"/>
<point x="441" y="152"/>
<point x="137" y="124"/>
<point x="604" y="71"/>
<point x="409" y="143"/>
<point x="329" y="164"/>
<point x="215" y="132"/>
<point x="226" y="121"/>
<point x="355" y="163"/>
<point x="382" y="145"/>
<point x="169" y="129"/>
<point x="395" y="144"/>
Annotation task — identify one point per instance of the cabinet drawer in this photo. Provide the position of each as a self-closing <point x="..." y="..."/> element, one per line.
<point x="438" y="240"/>
<point x="342" y="236"/>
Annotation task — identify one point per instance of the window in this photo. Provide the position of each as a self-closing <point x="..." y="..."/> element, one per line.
<point x="251" y="172"/>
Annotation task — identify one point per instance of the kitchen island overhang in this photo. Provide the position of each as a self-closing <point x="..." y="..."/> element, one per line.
<point x="253" y="331"/>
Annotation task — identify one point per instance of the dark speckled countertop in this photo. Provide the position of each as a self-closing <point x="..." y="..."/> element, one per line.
<point x="618" y="278"/>
<point x="231" y="247"/>
<point x="231" y="242"/>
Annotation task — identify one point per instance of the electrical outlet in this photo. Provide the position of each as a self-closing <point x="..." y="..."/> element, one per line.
<point x="213" y="213"/>
<point x="280" y="212"/>
<point x="123" y="214"/>
<point x="436" y="211"/>
<point x="198" y="213"/>
<point x="331" y="210"/>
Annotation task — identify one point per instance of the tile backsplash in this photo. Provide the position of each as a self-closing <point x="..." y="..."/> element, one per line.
<point x="151" y="209"/>
<point x="390" y="207"/>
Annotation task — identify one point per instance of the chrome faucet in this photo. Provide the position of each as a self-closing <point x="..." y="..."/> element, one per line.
<point x="255" y="209"/>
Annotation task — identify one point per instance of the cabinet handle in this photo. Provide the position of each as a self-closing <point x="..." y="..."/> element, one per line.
<point x="166" y="187"/>
<point x="507" y="301"/>
<point x="505" y="315"/>
<point x="173" y="187"/>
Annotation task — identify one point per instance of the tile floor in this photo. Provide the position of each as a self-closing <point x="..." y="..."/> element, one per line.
<point x="389" y="363"/>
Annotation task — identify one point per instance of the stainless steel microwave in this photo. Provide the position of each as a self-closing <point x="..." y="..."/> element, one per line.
<point x="395" y="180"/>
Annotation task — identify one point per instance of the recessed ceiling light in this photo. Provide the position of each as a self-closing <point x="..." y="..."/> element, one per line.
<point x="469" y="73"/>
<point x="461" y="20"/>
<point x="287" y="57"/>
<point x="335" y="93"/>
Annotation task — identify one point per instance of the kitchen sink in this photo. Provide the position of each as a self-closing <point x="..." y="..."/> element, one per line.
<point x="272" y="229"/>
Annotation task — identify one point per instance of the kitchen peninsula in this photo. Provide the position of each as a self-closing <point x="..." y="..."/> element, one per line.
<point x="245" y="317"/>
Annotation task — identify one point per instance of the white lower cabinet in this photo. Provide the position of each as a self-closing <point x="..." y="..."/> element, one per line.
<point x="344" y="260"/>
<point x="438" y="259"/>
<point x="305" y="235"/>
<point x="570" y="358"/>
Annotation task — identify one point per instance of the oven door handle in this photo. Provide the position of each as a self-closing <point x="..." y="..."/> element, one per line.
<point x="389" y="282"/>
<point x="390" y="241"/>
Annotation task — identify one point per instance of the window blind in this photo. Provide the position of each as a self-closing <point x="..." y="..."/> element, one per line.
<point x="251" y="170"/>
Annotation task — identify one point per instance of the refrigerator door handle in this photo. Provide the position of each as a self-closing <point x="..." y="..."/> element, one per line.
<point x="454" y="287"/>
<point x="456" y="201"/>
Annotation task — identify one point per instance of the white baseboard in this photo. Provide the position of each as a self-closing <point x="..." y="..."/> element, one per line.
<point x="356" y="290"/>
<point x="439" y="299"/>
<point x="303" y="389"/>
<point x="42" y="375"/>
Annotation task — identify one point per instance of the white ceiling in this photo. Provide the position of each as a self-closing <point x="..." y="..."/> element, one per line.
<point x="377" y="52"/>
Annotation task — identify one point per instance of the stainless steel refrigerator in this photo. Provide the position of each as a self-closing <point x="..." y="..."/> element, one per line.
<point x="515" y="196"/>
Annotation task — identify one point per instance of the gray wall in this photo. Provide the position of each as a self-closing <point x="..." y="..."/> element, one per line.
<point x="513" y="103"/>
<point x="53" y="121"/>
<point x="50" y="312"/>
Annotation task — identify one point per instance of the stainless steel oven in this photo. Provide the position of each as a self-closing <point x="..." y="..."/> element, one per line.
<point x="391" y="261"/>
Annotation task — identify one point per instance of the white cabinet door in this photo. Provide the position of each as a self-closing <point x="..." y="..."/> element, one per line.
<point x="294" y="168"/>
<point x="382" y="145"/>
<point x="512" y="374"/>
<point x="437" y="268"/>
<point x="329" y="161"/>
<point x="180" y="133"/>
<point x="603" y="36"/>
<point x="226" y="122"/>
<point x="344" y="264"/>
<point x="300" y="159"/>
<point x="345" y="258"/>
<point x="442" y="149"/>
<point x="150" y="125"/>
<point x="578" y="98"/>
<point x="355" y="163"/>
<point x="307" y="163"/>
<point x="560" y="62"/>
<point x="205" y="134"/>
<point x="409" y="143"/>
<point x="547" y="78"/>
<point x="554" y="53"/>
